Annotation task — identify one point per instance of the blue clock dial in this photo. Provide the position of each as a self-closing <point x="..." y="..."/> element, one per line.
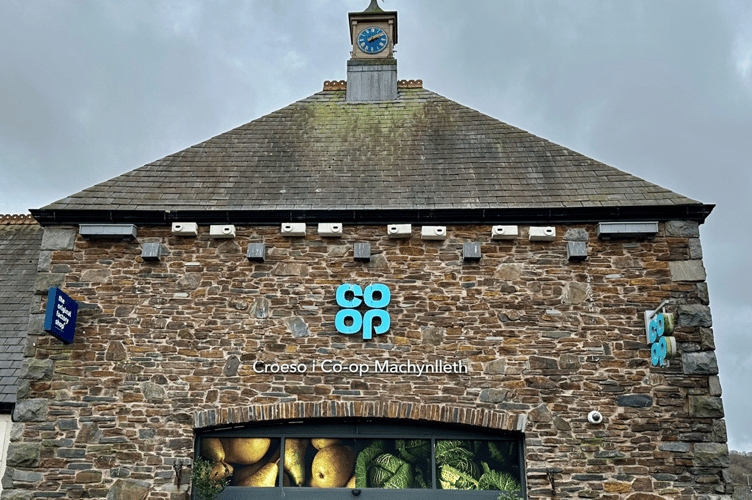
<point x="372" y="40"/>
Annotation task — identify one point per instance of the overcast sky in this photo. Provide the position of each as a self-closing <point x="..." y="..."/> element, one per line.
<point x="660" y="89"/>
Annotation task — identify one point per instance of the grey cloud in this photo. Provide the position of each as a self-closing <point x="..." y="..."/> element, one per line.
<point x="91" y="89"/>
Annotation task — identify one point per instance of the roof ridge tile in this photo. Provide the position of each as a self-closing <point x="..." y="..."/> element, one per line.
<point x="18" y="220"/>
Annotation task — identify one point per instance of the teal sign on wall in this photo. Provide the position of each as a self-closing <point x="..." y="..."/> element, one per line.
<point x="60" y="317"/>
<point x="658" y="327"/>
<point x="374" y="320"/>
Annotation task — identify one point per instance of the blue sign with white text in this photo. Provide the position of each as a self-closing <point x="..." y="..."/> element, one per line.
<point x="375" y="320"/>
<point x="60" y="318"/>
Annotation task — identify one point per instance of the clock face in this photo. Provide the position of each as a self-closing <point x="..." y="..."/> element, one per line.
<point x="372" y="40"/>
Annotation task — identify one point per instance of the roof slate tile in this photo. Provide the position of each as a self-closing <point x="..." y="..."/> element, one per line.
<point x="419" y="151"/>
<point x="19" y="248"/>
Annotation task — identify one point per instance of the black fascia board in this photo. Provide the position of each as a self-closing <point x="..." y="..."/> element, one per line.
<point x="563" y="215"/>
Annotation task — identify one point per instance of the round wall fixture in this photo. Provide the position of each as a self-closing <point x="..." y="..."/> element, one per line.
<point x="595" y="417"/>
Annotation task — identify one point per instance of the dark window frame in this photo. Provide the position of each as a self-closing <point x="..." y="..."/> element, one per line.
<point x="361" y="428"/>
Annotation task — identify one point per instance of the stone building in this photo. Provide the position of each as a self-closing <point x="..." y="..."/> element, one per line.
<point x="395" y="294"/>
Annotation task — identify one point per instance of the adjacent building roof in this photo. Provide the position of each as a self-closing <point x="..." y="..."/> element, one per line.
<point x="419" y="157"/>
<point x="20" y="239"/>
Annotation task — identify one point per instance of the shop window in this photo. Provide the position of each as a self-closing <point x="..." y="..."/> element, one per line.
<point x="369" y="459"/>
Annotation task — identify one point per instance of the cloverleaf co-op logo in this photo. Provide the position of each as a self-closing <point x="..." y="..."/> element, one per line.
<point x="662" y="345"/>
<point x="376" y="320"/>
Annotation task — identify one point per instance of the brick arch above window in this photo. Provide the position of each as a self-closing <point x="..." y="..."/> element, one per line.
<point x="417" y="412"/>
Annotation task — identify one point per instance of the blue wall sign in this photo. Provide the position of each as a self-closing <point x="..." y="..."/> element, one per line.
<point x="60" y="318"/>
<point x="658" y="327"/>
<point x="375" y="320"/>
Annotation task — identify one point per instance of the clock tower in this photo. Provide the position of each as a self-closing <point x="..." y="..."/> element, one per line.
<point x="372" y="68"/>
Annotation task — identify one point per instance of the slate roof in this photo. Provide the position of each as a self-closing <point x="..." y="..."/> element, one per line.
<point x="421" y="153"/>
<point x="20" y="239"/>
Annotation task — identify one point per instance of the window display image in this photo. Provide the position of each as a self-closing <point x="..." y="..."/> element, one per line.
<point x="449" y="464"/>
<point x="394" y="464"/>
<point x="320" y="462"/>
<point x="251" y="462"/>
<point x="477" y="465"/>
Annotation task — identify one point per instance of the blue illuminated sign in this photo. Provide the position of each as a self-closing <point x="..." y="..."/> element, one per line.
<point x="658" y="326"/>
<point x="60" y="318"/>
<point x="375" y="320"/>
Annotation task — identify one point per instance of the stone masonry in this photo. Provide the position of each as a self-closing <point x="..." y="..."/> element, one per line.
<point x="166" y="349"/>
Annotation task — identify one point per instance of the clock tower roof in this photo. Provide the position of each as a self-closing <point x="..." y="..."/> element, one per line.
<point x="374" y="13"/>
<point x="374" y="7"/>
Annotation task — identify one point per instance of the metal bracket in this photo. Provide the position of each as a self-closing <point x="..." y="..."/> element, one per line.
<point x="177" y="466"/>
<point x="552" y="480"/>
<point x="658" y="309"/>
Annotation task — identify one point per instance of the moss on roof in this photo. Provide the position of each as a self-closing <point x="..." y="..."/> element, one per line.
<point x="420" y="151"/>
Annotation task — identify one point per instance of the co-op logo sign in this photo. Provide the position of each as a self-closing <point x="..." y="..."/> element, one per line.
<point x="375" y="320"/>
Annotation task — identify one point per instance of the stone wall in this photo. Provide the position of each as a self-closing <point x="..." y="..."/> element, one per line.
<point x="164" y="349"/>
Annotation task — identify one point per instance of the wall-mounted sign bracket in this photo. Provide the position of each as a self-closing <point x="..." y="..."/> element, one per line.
<point x="659" y="308"/>
<point x="60" y="317"/>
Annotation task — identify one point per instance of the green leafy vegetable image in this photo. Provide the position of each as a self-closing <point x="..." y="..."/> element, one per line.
<point x="503" y="453"/>
<point x="421" y="479"/>
<point x="452" y="451"/>
<point x="417" y="452"/>
<point x="457" y="471"/>
<point x="507" y="495"/>
<point x="497" y="480"/>
<point x="462" y="465"/>
<point x="504" y="456"/>
<point x="388" y="471"/>
<point x="463" y="476"/>
<point x="365" y="457"/>
<point x="459" y="465"/>
<point x="412" y="450"/>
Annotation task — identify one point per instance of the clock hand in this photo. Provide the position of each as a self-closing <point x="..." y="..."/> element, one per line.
<point x="374" y="37"/>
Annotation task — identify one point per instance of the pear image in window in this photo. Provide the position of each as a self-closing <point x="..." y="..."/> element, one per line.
<point x="265" y="477"/>
<point x="295" y="450"/>
<point x="220" y="470"/>
<point x="320" y="443"/>
<point x="332" y="466"/>
<point x="245" y="451"/>
<point x="212" y="450"/>
<point x="241" y="476"/>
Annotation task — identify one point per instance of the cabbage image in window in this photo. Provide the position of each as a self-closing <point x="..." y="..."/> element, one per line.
<point x="477" y="465"/>
<point x="394" y="464"/>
